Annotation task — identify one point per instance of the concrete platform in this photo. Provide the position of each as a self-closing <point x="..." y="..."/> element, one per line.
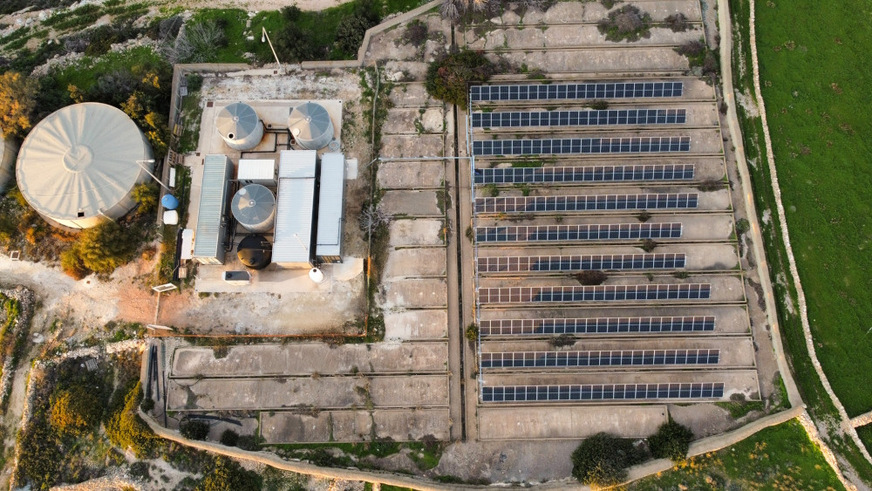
<point x="413" y="95"/>
<point x="415" y="293"/>
<point x="511" y="423"/>
<point x="417" y="262"/>
<point x="428" y="145"/>
<point x="355" y="426"/>
<point x="276" y="280"/>
<point x="416" y="325"/>
<point x="557" y="37"/>
<point x="304" y="359"/>
<point x="422" y="232"/>
<point x="570" y="12"/>
<point x="429" y="174"/>
<point x="411" y="203"/>
<point x="411" y="121"/>
<point x="323" y="392"/>
<point x="598" y="60"/>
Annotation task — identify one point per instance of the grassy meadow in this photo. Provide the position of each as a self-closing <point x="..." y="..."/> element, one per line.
<point x="780" y="457"/>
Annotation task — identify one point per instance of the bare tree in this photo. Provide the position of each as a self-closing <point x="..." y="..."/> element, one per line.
<point x="372" y="217"/>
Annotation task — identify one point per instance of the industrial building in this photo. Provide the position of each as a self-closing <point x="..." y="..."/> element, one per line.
<point x="211" y="219"/>
<point x="292" y="247"/>
<point x="80" y="164"/>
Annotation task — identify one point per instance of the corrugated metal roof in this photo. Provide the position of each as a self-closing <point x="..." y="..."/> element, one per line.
<point x="330" y="204"/>
<point x="293" y="231"/>
<point x="256" y="169"/>
<point x="297" y="164"/>
<point x="213" y="194"/>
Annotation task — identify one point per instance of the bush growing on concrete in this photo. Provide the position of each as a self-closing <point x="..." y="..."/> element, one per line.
<point x="643" y="216"/>
<point x="677" y="22"/>
<point x="591" y="277"/>
<point x="193" y="429"/>
<point x="448" y="76"/>
<point x="229" y="438"/>
<point x="648" y="245"/>
<point x="627" y="23"/>
<point x="562" y="341"/>
<point x="672" y="441"/>
<point x="599" y="105"/>
<point x="247" y="442"/>
<point x="416" y="33"/>
<point x="472" y="332"/>
<point x="602" y="460"/>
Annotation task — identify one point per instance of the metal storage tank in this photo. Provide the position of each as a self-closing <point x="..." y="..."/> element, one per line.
<point x="254" y="251"/>
<point x="80" y="164"/>
<point x="8" y="151"/>
<point x="254" y="207"/>
<point x="311" y="126"/>
<point x="239" y="126"/>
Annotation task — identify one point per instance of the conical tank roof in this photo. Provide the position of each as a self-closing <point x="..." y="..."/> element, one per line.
<point x="311" y="125"/>
<point x="254" y="207"/>
<point x="80" y="164"/>
<point x="239" y="126"/>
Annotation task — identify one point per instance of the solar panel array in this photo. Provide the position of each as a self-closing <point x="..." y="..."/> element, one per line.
<point x="541" y="359"/>
<point x="553" y="233"/>
<point x="607" y="293"/>
<point x="525" y="204"/>
<point x="596" y="90"/>
<point x="602" y="173"/>
<point x="601" y="392"/>
<point x="644" y="144"/>
<point x="597" y="325"/>
<point x="519" y="264"/>
<point x="606" y="117"/>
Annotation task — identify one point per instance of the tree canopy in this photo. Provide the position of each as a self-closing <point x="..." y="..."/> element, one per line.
<point x="17" y="103"/>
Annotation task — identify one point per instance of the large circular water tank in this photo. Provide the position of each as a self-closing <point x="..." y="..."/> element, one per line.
<point x="311" y="126"/>
<point x="239" y="126"/>
<point x="79" y="165"/>
<point x="254" y="251"/>
<point x="254" y="207"/>
<point x="8" y="150"/>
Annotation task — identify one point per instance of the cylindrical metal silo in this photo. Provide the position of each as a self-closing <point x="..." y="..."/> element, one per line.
<point x="8" y="151"/>
<point x="254" y="207"/>
<point x="239" y="126"/>
<point x="79" y="165"/>
<point x="311" y="126"/>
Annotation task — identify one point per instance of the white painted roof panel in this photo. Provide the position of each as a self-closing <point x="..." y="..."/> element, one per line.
<point x="293" y="229"/>
<point x="297" y="164"/>
<point x="330" y="204"/>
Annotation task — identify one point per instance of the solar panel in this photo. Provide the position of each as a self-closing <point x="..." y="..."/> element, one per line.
<point x="543" y="359"/>
<point x="596" y="325"/>
<point x="597" y="90"/>
<point x="610" y="293"/>
<point x="601" y="392"/>
<point x="551" y="233"/>
<point x="528" y="204"/>
<point x="603" y="173"/>
<point x="606" y="117"/>
<point x="653" y="144"/>
<point x="526" y="264"/>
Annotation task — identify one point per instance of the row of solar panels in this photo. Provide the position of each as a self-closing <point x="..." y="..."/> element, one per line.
<point x="601" y="392"/>
<point x="606" y="117"/>
<point x="609" y="293"/>
<point x="648" y="201"/>
<point x="597" y="325"/>
<point x="596" y="90"/>
<point x="517" y="264"/>
<point x="547" y="233"/>
<point x="541" y="359"/>
<point x="649" y="144"/>
<point x="605" y="173"/>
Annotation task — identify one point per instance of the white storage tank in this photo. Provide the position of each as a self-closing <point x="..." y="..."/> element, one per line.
<point x="8" y="151"/>
<point x="254" y="207"/>
<point x="311" y="126"/>
<point x="239" y="126"/>
<point x="80" y="164"/>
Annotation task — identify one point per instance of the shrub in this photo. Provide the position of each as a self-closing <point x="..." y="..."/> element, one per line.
<point x="627" y="23"/>
<point x="127" y="430"/>
<point x="75" y="410"/>
<point x="105" y="247"/>
<point x="648" y="245"/>
<point x="742" y="226"/>
<point x="591" y="277"/>
<point x="139" y="469"/>
<point x="72" y="265"/>
<point x="643" y="216"/>
<point x="287" y="42"/>
<point x="194" y="429"/>
<point x="677" y="22"/>
<point x="416" y="33"/>
<point x="17" y="103"/>
<point x="602" y="460"/>
<point x="562" y="341"/>
<point x="599" y="104"/>
<point x="199" y="42"/>
<point x="350" y="32"/>
<point x="671" y="441"/>
<point x="229" y="438"/>
<point x="147" y="405"/>
<point x="227" y="475"/>
<point x="448" y="76"/>
<point x="146" y="196"/>
<point x="472" y="332"/>
<point x="247" y="442"/>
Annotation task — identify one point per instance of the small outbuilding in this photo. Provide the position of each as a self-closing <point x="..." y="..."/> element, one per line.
<point x="80" y="164"/>
<point x="331" y="203"/>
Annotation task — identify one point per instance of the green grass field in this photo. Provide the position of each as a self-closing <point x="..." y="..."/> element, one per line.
<point x="816" y="89"/>
<point x="780" y="457"/>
